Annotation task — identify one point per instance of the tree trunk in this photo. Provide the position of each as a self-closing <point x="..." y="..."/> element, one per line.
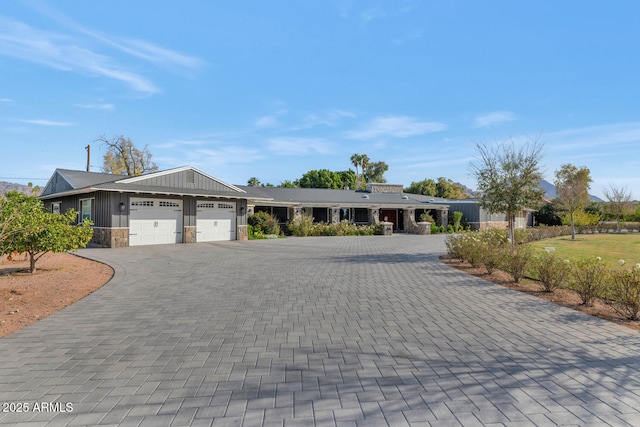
<point x="32" y="262"/>
<point x="511" y="225"/>
<point x="573" y="227"/>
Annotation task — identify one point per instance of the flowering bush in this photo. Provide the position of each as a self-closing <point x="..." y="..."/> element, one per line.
<point x="625" y="292"/>
<point x="262" y="224"/>
<point x="552" y="271"/>
<point x="303" y="225"/>
<point x="517" y="260"/>
<point x="588" y="279"/>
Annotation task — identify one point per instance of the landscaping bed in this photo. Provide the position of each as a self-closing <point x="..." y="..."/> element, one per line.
<point x="60" y="280"/>
<point x="561" y="296"/>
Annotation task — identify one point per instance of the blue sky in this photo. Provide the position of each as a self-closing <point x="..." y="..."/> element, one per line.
<point x="274" y="89"/>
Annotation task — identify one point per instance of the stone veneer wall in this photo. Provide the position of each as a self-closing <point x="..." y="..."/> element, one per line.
<point x="190" y="234"/>
<point x="243" y="232"/>
<point x="376" y="187"/>
<point x="413" y="227"/>
<point x="110" y="237"/>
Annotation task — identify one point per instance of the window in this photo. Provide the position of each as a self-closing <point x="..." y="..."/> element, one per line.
<point x="142" y="203"/>
<point x="225" y="206"/>
<point x="55" y="207"/>
<point x="164" y="204"/>
<point x="85" y="209"/>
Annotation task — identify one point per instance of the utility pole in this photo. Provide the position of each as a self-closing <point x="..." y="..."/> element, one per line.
<point x="88" y="148"/>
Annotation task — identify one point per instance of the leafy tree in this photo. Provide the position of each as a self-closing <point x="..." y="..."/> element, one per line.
<point x="618" y="202"/>
<point x="572" y="188"/>
<point x="348" y="179"/>
<point x="322" y="178"/>
<point x="253" y="182"/>
<point x="443" y="187"/>
<point x="448" y="189"/>
<point x="547" y="215"/>
<point x="123" y="158"/>
<point x="509" y="179"/>
<point x="374" y="171"/>
<point x="36" y="231"/>
<point x="288" y="184"/>
<point x="426" y="187"/>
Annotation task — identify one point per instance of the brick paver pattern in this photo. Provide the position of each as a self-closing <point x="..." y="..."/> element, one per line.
<point x="352" y="331"/>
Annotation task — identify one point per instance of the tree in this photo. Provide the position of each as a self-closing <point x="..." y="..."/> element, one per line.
<point x="253" y="182"/>
<point x="348" y="179"/>
<point x="448" y="189"/>
<point x="426" y="187"/>
<point x="123" y="158"/>
<point x="509" y="178"/>
<point x="618" y="202"/>
<point x="288" y="184"/>
<point x="36" y="231"/>
<point x="374" y="171"/>
<point x="356" y="159"/>
<point x="322" y="178"/>
<point x="572" y="189"/>
<point x="547" y="215"/>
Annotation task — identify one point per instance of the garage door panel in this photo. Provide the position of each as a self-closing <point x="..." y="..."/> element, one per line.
<point x="155" y="221"/>
<point x="215" y="221"/>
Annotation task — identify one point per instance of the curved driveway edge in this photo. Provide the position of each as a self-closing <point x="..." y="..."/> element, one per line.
<point x="350" y="331"/>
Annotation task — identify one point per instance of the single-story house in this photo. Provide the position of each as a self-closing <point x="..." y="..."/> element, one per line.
<point x="378" y="203"/>
<point x="479" y="219"/>
<point x="186" y="205"/>
<point x="181" y="205"/>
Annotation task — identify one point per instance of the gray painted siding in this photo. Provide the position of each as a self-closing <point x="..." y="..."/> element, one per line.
<point x="470" y="211"/>
<point x="186" y="179"/>
<point x="57" y="184"/>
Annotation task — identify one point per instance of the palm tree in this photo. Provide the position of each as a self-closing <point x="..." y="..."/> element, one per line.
<point x="364" y="162"/>
<point x="356" y="159"/>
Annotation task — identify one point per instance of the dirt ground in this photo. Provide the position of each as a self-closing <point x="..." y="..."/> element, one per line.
<point x="59" y="281"/>
<point x="563" y="297"/>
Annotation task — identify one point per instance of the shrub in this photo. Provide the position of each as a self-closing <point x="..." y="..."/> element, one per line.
<point x="425" y="217"/>
<point x="301" y="226"/>
<point x="625" y="292"/>
<point x="551" y="271"/>
<point x="264" y="223"/>
<point x="457" y="219"/>
<point x="516" y="261"/>
<point x="492" y="246"/>
<point x="588" y="279"/>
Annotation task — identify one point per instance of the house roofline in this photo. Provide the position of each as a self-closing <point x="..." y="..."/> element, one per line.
<point x="133" y="179"/>
<point x="138" y="191"/>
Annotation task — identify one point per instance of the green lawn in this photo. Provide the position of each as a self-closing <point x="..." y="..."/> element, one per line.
<point x="610" y="247"/>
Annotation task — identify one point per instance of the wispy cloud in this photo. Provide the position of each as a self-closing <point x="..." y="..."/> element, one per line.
<point x="613" y="139"/>
<point x="395" y="126"/>
<point x="414" y="34"/>
<point x="296" y="146"/>
<point x="44" y="122"/>
<point x="490" y="119"/>
<point x="370" y="14"/>
<point x="6" y="100"/>
<point x="71" y="50"/>
<point x="103" y="106"/>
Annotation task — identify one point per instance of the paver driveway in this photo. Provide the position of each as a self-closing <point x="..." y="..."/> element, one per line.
<point x="344" y="331"/>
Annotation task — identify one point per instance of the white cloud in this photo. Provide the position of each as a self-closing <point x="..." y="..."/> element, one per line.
<point x="395" y="126"/>
<point x="6" y="100"/>
<point x="43" y="122"/>
<point x="77" y="53"/>
<point x="371" y="14"/>
<point x="103" y="106"/>
<point x="267" y="122"/>
<point x="295" y="146"/>
<point x="486" y="120"/>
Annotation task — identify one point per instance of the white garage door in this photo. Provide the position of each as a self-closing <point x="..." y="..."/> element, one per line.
<point x="155" y="221"/>
<point x="215" y="221"/>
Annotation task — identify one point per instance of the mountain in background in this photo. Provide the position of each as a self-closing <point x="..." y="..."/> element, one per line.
<point x="5" y="187"/>
<point x="550" y="192"/>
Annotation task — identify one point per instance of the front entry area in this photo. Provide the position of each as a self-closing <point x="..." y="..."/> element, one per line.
<point x="215" y="221"/>
<point x="154" y="221"/>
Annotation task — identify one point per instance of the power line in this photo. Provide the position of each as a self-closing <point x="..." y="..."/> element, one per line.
<point x="30" y="179"/>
